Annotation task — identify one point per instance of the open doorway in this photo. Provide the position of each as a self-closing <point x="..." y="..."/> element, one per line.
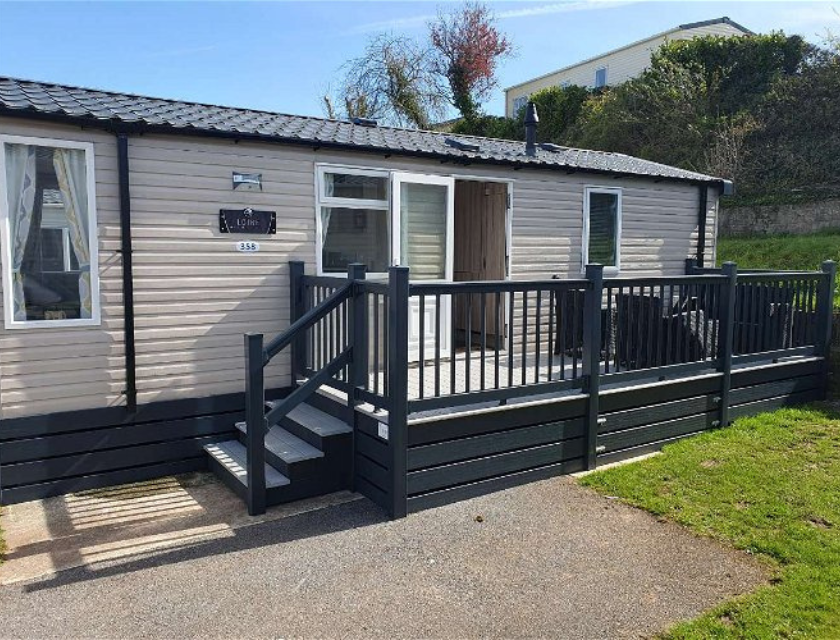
<point x="480" y="253"/>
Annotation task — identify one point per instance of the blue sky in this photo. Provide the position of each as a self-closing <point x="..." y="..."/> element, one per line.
<point x="281" y="56"/>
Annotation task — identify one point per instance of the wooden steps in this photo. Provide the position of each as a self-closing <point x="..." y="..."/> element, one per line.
<point x="308" y="454"/>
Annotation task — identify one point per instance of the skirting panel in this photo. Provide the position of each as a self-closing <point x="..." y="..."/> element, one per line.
<point x="54" y="454"/>
<point x="644" y="428"/>
<point x="463" y="456"/>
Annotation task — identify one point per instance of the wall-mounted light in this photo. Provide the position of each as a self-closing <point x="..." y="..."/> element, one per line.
<point x="249" y="181"/>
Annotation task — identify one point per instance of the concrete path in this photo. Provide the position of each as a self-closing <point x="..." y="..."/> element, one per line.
<point x="548" y="559"/>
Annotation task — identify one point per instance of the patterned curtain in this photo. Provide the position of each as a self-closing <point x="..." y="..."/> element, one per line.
<point x="21" y="169"/>
<point x="71" y="170"/>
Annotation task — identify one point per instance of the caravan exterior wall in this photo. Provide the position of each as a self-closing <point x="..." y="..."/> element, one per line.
<point x="195" y="295"/>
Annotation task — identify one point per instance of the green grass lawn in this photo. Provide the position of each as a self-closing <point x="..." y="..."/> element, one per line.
<point x="781" y="252"/>
<point x="769" y="485"/>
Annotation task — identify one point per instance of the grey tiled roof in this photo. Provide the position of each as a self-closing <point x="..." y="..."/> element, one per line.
<point x="110" y="108"/>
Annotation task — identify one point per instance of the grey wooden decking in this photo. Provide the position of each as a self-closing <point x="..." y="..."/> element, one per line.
<point x="467" y="374"/>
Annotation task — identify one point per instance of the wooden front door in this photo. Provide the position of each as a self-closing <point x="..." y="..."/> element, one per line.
<point x="480" y="245"/>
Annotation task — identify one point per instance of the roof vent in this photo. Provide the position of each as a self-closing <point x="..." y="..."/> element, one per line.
<point x="554" y="148"/>
<point x="365" y="122"/>
<point x="462" y="145"/>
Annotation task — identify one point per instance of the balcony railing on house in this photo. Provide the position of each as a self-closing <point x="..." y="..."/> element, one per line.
<point x="558" y="370"/>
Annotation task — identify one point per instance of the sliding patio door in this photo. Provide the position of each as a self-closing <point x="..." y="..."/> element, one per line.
<point x="423" y="232"/>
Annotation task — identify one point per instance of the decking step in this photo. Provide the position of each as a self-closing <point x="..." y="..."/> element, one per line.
<point x="317" y="421"/>
<point x="232" y="455"/>
<point x="286" y="446"/>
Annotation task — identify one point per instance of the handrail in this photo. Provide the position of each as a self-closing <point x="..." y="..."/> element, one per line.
<point x="258" y="356"/>
<point x="494" y="286"/>
<point x="285" y="406"/>
<point x="306" y="320"/>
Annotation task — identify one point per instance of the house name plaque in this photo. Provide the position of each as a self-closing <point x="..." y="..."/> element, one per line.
<point x="247" y="221"/>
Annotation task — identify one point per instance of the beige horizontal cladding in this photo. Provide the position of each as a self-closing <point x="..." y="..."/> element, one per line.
<point x="45" y="370"/>
<point x="621" y="64"/>
<point x="195" y="295"/>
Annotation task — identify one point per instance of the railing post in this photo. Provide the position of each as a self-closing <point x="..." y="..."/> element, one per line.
<point x="591" y="363"/>
<point x="726" y="331"/>
<point x="296" y="310"/>
<point x="398" y="386"/>
<point x="358" y="371"/>
<point x="255" y="421"/>
<point x="690" y="266"/>
<point x="825" y="310"/>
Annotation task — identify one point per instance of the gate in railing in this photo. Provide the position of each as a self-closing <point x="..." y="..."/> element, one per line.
<point x="517" y="341"/>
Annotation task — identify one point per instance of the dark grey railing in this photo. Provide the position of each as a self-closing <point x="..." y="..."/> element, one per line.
<point x="484" y="361"/>
<point x="321" y="337"/>
<point x="516" y="339"/>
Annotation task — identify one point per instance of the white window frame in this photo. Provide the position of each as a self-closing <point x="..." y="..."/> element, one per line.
<point x="5" y="233"/>
<point x="606" y="77"/>
<point x="523" y="100"/>
<point x="617" y="191"/>
<point x="322" y="201"/>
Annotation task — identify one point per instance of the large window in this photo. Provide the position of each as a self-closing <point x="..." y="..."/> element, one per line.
<point x="48" y="233"/>
<point x="518" y="104"/>
<point x="602" y="228"/>
<point x="353" y="222"/>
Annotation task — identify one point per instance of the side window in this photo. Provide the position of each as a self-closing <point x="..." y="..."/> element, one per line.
<point x="602" y="228"/>
<point x="48" y="233"/>
<point x="518" y="104"/>
<point x="600" y="77"/>
<point x="353" y="219"/>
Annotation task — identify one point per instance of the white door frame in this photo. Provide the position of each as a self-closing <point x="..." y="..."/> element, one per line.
<point x="397" y="180"/>
<point x="399" y="177"/>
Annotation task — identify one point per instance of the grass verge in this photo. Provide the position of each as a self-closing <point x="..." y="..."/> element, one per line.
<point x="782" y="252"/>
<point x="769" y="485"/>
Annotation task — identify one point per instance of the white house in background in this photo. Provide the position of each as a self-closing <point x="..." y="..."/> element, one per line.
<point x="618" y="65"/>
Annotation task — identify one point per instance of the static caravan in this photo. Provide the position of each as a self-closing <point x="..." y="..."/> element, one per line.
<point x="142" y="238"/>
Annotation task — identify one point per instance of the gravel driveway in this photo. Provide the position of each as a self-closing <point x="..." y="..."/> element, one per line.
<point x="546" y="559"/>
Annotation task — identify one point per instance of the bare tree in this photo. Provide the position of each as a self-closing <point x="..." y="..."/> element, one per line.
<point x="468" y="48"/>
<point x="726" y="155"/>
<point x="392" y="81"/>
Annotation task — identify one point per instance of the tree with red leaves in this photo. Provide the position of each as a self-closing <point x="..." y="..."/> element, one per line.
<point x="468" y="48"/>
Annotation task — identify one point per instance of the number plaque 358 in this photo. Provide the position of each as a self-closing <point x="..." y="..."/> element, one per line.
<point x="247" y="246"/>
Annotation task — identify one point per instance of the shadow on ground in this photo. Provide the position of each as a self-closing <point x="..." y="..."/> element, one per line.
<point x="124" y="528"/>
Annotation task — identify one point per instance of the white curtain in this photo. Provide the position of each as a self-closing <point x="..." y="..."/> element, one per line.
<point x="71" y="170"/>
<point x="21" y="169"/>
<point x="326" y="214"/>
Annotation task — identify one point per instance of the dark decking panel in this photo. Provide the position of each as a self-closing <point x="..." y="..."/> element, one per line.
<point x="490" y="485"/>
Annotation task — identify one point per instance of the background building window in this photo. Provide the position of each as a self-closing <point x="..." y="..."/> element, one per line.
<point x="600" y="77"/>
<point x="49" y="231"/>
<point x="602" y="228"/>
<point x="519" y="103"/>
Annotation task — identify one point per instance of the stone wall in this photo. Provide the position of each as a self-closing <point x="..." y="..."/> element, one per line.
<point x="804" y="217"/>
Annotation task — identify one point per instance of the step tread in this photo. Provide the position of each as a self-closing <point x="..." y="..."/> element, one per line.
<point x="231" y="454"/>
<point x="318" y="421"/>
<point x="285" y="445"/>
